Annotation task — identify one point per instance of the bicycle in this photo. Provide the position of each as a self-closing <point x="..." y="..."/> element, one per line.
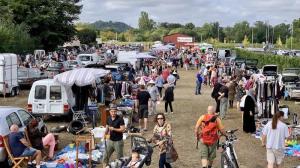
<point x="228" y="154"/>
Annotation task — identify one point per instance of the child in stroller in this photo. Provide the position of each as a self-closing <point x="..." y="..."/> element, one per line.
<point x="141" y="154"/>
<point x="135" y="160"/>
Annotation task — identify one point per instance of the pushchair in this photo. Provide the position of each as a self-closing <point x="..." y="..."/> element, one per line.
<point x="144" y="149"/>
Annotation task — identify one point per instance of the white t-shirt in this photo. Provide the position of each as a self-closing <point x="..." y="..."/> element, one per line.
<point x="276" y="137"/>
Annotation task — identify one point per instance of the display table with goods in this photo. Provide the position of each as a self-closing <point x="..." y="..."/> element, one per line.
<point x="292" y="145"/>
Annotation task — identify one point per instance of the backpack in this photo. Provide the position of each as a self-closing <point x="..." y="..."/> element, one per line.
<point x="209" y="132"/>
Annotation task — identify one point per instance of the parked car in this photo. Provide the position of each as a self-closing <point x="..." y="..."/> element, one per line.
<point x="294" y="92"/>
<point x="251" y="65"/>
<point x="86" y="59"/>
<point x="26" y="76"/>
<point x="291" y="70"/>
<point x="72" y="64"/>
<point x="10" y="116"/>
<point x="55" y="68"/>
<point x="226" y="53"/>
<point x="47" y="97"/>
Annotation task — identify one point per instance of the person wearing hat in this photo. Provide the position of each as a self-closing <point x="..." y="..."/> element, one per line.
<point x="115" y="127"/>
<point x="154" y="93"/>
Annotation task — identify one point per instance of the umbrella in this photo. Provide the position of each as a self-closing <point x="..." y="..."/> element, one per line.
<point x="80" y="77"/>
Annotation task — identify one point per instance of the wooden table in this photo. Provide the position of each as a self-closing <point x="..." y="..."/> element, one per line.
<point x="87" y="139"/>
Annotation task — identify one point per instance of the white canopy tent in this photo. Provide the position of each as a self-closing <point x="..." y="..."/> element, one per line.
<point x="162" y="48"/>
<point x="80" y="77"/>
<point x="143" y="55"/>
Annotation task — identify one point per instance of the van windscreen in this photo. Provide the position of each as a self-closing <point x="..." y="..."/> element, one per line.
<point x="55" y="92"/>
<point x="40" y="92"/>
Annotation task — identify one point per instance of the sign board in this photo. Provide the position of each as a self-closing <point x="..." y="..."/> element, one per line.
<point x="185" y="39"/>
<point x="99" y="40"/>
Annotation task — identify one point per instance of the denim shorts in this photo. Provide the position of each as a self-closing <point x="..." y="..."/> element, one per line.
<point x="28" y="152"/>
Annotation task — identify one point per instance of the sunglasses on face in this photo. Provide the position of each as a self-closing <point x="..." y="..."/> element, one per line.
<point x="160" y="118"/>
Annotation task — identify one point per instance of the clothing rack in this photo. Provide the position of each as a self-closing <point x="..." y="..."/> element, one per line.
<point x="267" y="96"/>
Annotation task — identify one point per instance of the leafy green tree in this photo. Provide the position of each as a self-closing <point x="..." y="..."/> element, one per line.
<point x="87" y="36"/>
<point x="170" y="25"/>
<point x="278" y="42"/>
<point x="246" y="41"/>
<point x="189" y="26"/>
<point x="107" y="35"/>
<point x="229" y="34"/>
<point x="145" y="23"/>
<point x="282" y="31"/>
<point x="259" y="30"/>
<point x="50" y="22"/>
<point x="240" y="30"/>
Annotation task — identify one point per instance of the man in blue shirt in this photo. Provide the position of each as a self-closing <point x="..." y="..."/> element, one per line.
<point x="199" y="81"/>
<point x="20" y="147"/>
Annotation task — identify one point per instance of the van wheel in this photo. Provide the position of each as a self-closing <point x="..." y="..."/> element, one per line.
<point x="69" y="116"/>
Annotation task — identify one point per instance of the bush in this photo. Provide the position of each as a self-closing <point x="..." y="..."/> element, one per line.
<point x="14" y="38"/>
<point x="265" y="59"/>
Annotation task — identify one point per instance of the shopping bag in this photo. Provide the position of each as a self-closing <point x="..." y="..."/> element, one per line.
<point x="171" y="154"/>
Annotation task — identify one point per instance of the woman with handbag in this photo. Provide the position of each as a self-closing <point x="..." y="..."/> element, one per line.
<point x="162" y="138"/>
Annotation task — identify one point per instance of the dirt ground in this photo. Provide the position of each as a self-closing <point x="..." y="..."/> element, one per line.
<point x="187" y="109"/>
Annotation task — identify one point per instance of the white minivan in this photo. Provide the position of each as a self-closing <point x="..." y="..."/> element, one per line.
<point x="47" y="97"/>
<point x="86" y="59"/>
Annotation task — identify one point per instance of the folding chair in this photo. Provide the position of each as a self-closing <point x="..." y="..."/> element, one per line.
<point x="17" y="161"/>
<point x="79" y="115"/>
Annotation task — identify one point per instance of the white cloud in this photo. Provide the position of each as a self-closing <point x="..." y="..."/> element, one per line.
<point x="227" y="12"/>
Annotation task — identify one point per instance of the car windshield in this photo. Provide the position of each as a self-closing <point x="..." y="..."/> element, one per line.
<point x="56" y="65"/>
<point x="290" y="79"/>
<point x="73" y="63"/>
<point x="296" y="71"/>
<point x="22" y="73"/>
<point x="85" y="58"/>
<point x="34" y="73"/>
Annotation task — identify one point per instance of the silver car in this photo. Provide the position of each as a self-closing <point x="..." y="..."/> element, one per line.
<point x="9" y="116"/>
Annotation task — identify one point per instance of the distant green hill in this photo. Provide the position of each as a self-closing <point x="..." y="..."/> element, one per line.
<point x="117" y="26"/>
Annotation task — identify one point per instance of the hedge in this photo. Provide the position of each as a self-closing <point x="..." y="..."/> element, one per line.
<point x="266" y="59"/>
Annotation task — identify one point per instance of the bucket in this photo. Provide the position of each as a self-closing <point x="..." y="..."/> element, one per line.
<point x="98" y="132"/>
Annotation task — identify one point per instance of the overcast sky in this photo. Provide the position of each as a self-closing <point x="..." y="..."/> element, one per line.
<point x="227" y="12"/>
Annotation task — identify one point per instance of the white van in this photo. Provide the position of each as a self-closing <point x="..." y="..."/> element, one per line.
<point x="86" y="59"/>
<point x="9" y="74"/>
<point x="47" y="97"/>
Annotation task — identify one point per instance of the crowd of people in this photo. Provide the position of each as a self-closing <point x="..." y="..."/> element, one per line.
<point x="154" y="81"/>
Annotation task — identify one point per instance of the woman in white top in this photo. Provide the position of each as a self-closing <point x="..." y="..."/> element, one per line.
<point x="274" y="135"/>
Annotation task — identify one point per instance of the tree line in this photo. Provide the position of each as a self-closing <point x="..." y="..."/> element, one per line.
<point x="258" y="32"/>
